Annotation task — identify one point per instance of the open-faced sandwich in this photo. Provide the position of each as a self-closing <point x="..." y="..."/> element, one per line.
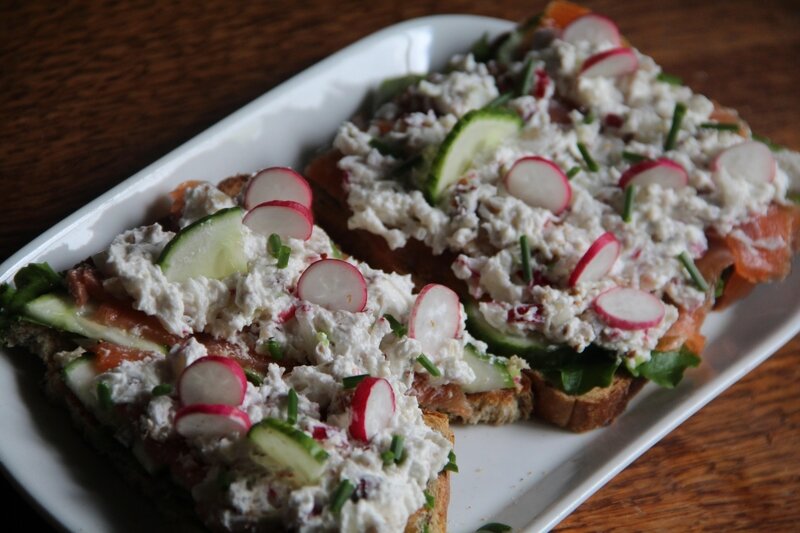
<point x="593" y="207"/>
<point x="234" y="351"/>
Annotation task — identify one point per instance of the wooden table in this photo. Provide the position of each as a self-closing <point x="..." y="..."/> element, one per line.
<point x="90" y="94"/>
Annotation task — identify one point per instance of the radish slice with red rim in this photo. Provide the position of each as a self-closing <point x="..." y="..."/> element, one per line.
<point x="212" y="380"/>
<point x="663" y="171"/>
<point x="593" y="28"/>
<point x="614" y="62"/>
<point x="748" y="161"/>
<point x="372" y="408"/>
<point x="334" y="284"/>
<point x="539" y="183"/>
<point x="207" y="420"/>
<point x="286" y="218"/>
<point x="435" y="317"/>
<point x="277" y="183"/>
<point x="598" y="260"/>
<point x="629" y="309"/>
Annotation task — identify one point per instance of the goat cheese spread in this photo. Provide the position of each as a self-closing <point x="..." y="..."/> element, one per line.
<point x="481" y="221"/>
<point x="247" y="312"/>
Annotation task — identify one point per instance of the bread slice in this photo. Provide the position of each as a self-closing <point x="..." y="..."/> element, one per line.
<point x="594" y="409"/>
<point x="173" y="501"/>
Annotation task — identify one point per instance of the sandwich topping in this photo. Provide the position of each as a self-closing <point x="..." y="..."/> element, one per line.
<point x="605" y="145"/>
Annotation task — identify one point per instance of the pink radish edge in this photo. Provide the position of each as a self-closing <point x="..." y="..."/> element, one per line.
<point x="677" y="174"/>
<point x="364" y="424"/>
<point x="353" y="299"/>
<point x="592" y="255"/>
<point x="208" y="390"/>
<point x="210" y="420"/>
<point x="611" y="58"/>
<point x="301" y="194"/>
<point x="757" y="151"/>
<point x="583" y="27"/>
<point x="629" y="309"/>
<point x="288" y="208"/>
<point x="516" y="182"/>
<point x="426" y="292"/>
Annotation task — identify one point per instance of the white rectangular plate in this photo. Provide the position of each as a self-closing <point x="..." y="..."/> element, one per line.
<point x="527" y="475"/>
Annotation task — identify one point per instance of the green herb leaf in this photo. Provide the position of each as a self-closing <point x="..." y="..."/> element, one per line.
<point x="695" y="274"/>
<point x="274" y="245"/>
<point x="590" y="163"/>
<point x="283" y="256"/>
<point x="677" y="119"/>
<point x="494" y="527"/>
<point x="508" y="47"/>
<point x="397" y="328"/>
<point x="481" y="50"/>
<point x="336" y="253"/>
<point x="275" y="349"/>
<point x="633" y="158"/>
<point x="525" y="256"/>
<point x="582" y="376"/>
<point x="350" y="382"/>
<point x="669" y="78"/>
<point x="291" y="407"/>
<point x="162" y="389"/>
<point x="571" y="173"/>
<point x="341" y="495"/>
<point x="428" y="365"/>
<point x="630" y="195"/>
<point x="104" y="396"/>
<point x="31" y="281"/>
<point x="719" y="288"/>
<point x="500" y="101"/>
<point x="397" y="448"/>
<point x="525" y="83"/>
<point x="385" y="148"/>
<point x="589" y="118"/>
<point x="430" y="501"/>
<point x="253" y="377"/>
<point x="775" y="147"/>
<point x="451" y="465"/>
<point x="794" y="197"/>
<point x="666" y="368"/>
<point x="720" y="126"/>
<point x="387" y="457"/>
<point x="392" y="87"/>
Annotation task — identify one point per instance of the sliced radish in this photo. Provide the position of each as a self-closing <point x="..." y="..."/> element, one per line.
<point x="333" y="284"/>
<point x="210" y="420"/>
<point x="663" y="171"/>
<point x="614" y="62"/>
<point x="597" y="261"/>
<point x="286" y="218"/>
<point x="626" y="308"/>
<point x="435" y="317"/>
<point x="539" y="183"/>
<point x="593" y="28"/>
<point x="748" y="161"/>
<point x="277" y="183"/>
<point x="372" y="408"/>
<point x="212" y="380"/>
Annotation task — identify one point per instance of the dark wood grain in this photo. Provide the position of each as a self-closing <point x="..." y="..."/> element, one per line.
<point x="92" y="92"/>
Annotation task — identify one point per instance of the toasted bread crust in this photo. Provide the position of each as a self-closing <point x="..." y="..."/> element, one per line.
<point x="596" y="408"/>
<point x="434" y="520"/>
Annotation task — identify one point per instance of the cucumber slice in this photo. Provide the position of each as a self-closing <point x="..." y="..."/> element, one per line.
<point x="282" y="445"/>
<point x="79" y="376"/>
<point x="478" y="130"/>
<point x="499" y="342"/>
<point x="212" y="247"/>
<point x="491" y="372"/>
<point x="57" y="311"/>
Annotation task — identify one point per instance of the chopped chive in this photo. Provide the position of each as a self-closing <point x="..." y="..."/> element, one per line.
<point x="669" y="78"/>
<point x="283" y="256"/>
<point x="695" y="274"/>
<point x="526" y="81"/>
<point x="104" y="396"/>
<point x="719" y="288"/>
<point x="633" y="158"/>
<point x="336" y="253"/>
<point x="291" y="407"/>
<point x="387" y="457"/>
<point x="274" y="245"/>
<point x="525" y="253"/>
<point x="275" y="349"/>
<point x="627" y="211"/>
<point x="590" y="163"/>
<point x="451" y="465"/>
<point x="571" y="173"/>
<point x="775" y="147"/>
<point x="428" y="365"/>
<point x="500" y="101"/>
<point x="397" y="448"/>
<point x="385" y="148"/>
<point x="341" y="495"/>
<point x="162" y="389"/>
<point x="721" y="126"/>
<point x="350" y="382"/>
<point x="426" y="528"/>
<point x="677" y="118"/>
<point x="253" y="377"/>
<point x="589" y="118"/>
<point x="397" y="328"/>
<point x="430" y="500"/>
<point x="494" y="527"/>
